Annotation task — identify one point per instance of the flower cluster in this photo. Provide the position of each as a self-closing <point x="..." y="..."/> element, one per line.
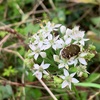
<point x="58" y="47"/>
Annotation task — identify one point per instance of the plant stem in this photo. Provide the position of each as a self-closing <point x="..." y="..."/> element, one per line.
<point x="76" y="92"/>
<point x="49" y="60"/>
<point x="48" y="90"/>
<point x="23" y="81"/>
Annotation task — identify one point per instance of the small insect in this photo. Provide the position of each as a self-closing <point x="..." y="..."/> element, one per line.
<point x="70" y="51"/>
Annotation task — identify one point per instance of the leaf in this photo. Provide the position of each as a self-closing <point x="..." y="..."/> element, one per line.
<point x="94" y="85"/>
<point x="2" y="34"/>
<point x="32" y="94"/>
<point x="93" y="77"/>
<point x="85" y="1"/>
<point x="1" y="65"/>
<point x="6" y="91"/>
<point x="31" y="28"/>
<point x="96" y="20"/>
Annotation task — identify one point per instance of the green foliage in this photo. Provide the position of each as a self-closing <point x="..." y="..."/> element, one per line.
<point x="89" y="85"/>
<point x="9" y="72"/>
<point x="96" y="21"/>
<point x="91" y="77"/>
<point x="33" y="93"/>
<point x="5" y="92"/>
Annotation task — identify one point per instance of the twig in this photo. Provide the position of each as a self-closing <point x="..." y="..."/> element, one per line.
<point x="4" y="39"/>
<point x="83" y="16"/>
<point x="34" y="8"/>
<point x="44" y="7"/>
<point x="12" y="31"/>
<point x="13" y="46"/>
<point x="23" y="82"/>
<point x="96" y="69"/>
<point x="91" y="97"/>
<point x="52" y="4"/>
<point x="19" y="9"/>
<point x="48" y="90"/>
<point x="17" y="23"/>
<point x="14" y="52"/>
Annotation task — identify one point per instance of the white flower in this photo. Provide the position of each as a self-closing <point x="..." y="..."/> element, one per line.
<point x="63" y="29"/>
<point x="39" y="69"/>
<point x="36" y="51"/>
<point x="68" y="32"/>
<point x="40" y="38"/>
<point x="62" y="62"/>
<point x="82" y="59"/>
<point x="78" y="36"/>
<point x="81" y="69"/>
<point x="73" y="61"/>
<point x="68" y="79"/>
<point x="67" y="38"/>
<point x="53" y="42"/>
<point x="50" y="27"/>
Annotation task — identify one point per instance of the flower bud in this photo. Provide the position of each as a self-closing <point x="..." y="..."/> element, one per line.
<point x="92" y="47"/>
<point x="57" y="79"/>
<point x="63" y="29"/>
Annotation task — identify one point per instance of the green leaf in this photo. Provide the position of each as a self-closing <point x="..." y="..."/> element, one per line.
<point x="96" y="20"/>
<point x="93" y="77"/>
<point x="2" y="34"/>
<point x="31" y="28"/>
<point x="1" y="65"/>
<point x="94" y="85"/>
<point x="32" y="93"/>
<point x="6" y="91"/>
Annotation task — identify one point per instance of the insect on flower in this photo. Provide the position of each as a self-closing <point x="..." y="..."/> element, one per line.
<point x="70" y="51"/>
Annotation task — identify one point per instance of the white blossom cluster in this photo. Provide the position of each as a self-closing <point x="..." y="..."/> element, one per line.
<point x="46" y="39"/>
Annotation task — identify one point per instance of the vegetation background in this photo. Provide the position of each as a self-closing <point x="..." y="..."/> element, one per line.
<point x="21" y="18"/>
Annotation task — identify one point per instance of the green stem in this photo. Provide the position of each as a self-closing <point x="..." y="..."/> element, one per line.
<point x="76" y="92"/>
<point x="48" y="60"/>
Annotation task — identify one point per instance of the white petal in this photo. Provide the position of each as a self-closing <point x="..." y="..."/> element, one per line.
<point x="83" y="54"/>
<point x="63" y="29"/>
<point x="68" y="41"/>
<point x="66" y="72"/>
<point x="63" y="77"/>
<point x="35" y="72"/>
<point x="85" y="39"/>
<point x="32" y="46"/>
<point x="54" y="47"/>
<point x="82" y="61"/>
<point x="31" y="54"/>
<point x="38" y="75"/>
<point x="68" y="31"/>
<point x="56" y="58"/>
<point x="69" y="84"/>
<point x="64" y="84"/>
<point x="61" y="65"/>
<point x="43" y="54"/>
<point x="74" y="80"/>
<point x="47" y="46"/>
<point x="50" y="37"/>
<point x="36" y="66"/>
<point x="40" y="44"/>
<point x="82" y="42"/>
<point x="72" y="74"/>
<point x="71" y="61"/>
<point x="45" y="72"/>
<point x="45" y="66"/>
<point x="36" y="56"/>
<point x="75" y="63"/>
<point x="57" y="25"/>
